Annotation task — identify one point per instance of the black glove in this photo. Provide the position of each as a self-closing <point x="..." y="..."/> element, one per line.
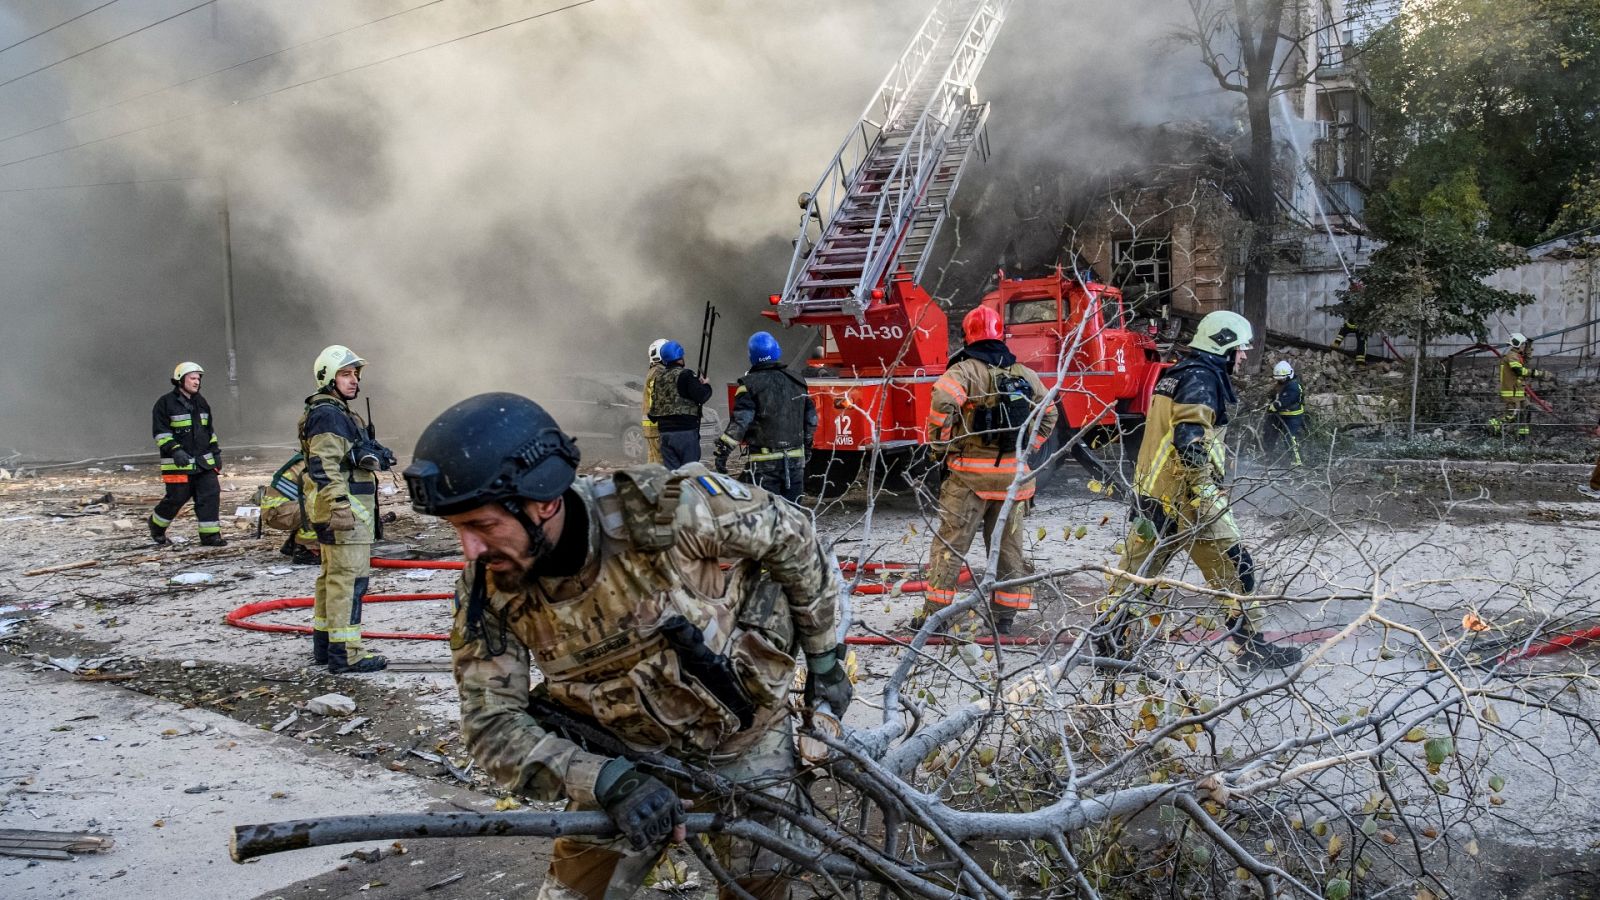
<point x="182" y="459"/>
<point x="721" y="458"/>
<point x="644" y="809"/>
<point x="827" y="682"/>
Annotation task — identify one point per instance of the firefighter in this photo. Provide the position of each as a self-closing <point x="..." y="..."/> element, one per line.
<point x="1514" y="375"/>
<point x="191" y="459"/>
<point x="1286" y="413"/>
<point x="981" y="405"/>
<point x="342" y="462"/>
<point x="676" y="395"/>
<point x="652" y="435"/>
<point x="613" y="587"/>
<point x="1178" y="499"/>
<point x="1347" y="330"/>
<point x="773" y="413"/>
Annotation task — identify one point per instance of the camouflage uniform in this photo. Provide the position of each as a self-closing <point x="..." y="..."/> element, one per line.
<point x="605" y="638"/>
<point x="328" y="429"/>
<point x="979" y="476"/>
<point x="1175" y="496"/>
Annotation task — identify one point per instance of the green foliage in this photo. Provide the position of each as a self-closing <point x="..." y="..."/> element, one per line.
<point x="1505" y="88"/>
<point x="1428" y="280"/>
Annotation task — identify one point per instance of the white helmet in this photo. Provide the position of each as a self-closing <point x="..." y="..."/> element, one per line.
<point x="655" y="350"/>
<point x="1222" y="331"/>
<point x="333" y="358"/>
<point x="1518" y="340"/>
<point x="185" y="368"/>
<point x="1283" y="369"/>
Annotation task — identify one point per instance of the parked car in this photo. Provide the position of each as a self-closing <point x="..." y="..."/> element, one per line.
<point x="603" y="411"/>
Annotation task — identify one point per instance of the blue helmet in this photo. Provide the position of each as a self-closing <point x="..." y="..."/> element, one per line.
<point x="671" y="352"/>
<point x="764" y="348"/>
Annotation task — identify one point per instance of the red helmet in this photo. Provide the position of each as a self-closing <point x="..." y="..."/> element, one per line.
<point x="982" y="324"/>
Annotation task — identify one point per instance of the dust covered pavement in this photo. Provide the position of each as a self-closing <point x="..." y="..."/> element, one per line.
<point x="91" y="640"/>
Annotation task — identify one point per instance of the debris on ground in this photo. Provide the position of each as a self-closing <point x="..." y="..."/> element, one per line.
<point x="331" y="705"/>
<point x="51" y="844"/>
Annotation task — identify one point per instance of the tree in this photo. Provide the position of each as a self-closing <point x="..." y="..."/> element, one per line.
<point x="1260" y="49"/>
<point x="1506" y="87"/>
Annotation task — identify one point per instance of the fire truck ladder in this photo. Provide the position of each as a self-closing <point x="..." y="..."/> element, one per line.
<point x="883" y="197"/>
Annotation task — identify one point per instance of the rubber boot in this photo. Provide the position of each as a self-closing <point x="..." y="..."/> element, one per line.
<point x="1004" y="624"/>
<point x="212" y="539"/>
<point x="305" y="557"/>
<point x="319" y="647"/>
<point x="921" y="619"/>
<point x="372" y="662"/>
<point x="158" y="535"/>
<point x="289" y="546"/>
<point x="1257" y="654"/>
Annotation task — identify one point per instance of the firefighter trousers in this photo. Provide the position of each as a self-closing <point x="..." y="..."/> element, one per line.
<point x="336" y="611"/>
<point x="652" y="441"/>
<point x="961" y="512"/>
<point x="785" y="477"/>
<point x="1283" y="436"/>
<point x="202" y="487"/>
<point x="1213" y="542"/>
<point x="595" y="868"/>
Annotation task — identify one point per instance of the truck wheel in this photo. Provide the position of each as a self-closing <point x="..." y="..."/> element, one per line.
<point x="829" y="473"/>
<point x="1036" y="459"/>
<point x="910" y="471"/>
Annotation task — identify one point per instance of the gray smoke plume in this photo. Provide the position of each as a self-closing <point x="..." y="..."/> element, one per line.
<point x="540" y="199"/>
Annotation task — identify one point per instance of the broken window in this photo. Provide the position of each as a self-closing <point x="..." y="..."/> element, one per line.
<point x="1142" y="268"/>
<point x="1029" y="312"/>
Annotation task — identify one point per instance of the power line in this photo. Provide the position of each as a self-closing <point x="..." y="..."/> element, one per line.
<point x="236" y="65"/>
<point x="104" y="43"/>
<point x="57" y="25"/>
<point x="190" y="115"/>
<point x="63" y="187"/>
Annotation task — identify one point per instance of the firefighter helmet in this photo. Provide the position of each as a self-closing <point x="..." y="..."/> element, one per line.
<point x="492" y="448"/>
<point x="655" y="350"/>
<point x="671" y="352"/>
<point x="982" y="324"/>
<point x="1222" y="331"/>
<point x="1518" y="340"/>
<point x="1283" y="370"/>
<point x="333" y="358"/>
<point x="764" y="348"/>
<point x="185" y="368"/>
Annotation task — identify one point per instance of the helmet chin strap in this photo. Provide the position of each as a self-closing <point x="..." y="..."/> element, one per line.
<point x="539" y="544"/>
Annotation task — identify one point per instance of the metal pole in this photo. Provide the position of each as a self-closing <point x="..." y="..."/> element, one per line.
<point x="229" y="333"/>
<point x="1416" y="376"/>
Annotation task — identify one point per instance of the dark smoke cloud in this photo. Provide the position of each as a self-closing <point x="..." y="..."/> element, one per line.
<point x="542" y="199"/>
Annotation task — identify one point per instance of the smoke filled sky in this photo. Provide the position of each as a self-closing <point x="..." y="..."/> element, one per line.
<point x="542" y="198"/>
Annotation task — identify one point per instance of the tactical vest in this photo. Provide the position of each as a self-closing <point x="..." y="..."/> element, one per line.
<point x="780" y="400"/>
<point x="665" y="400"/>
<point x="619" y="641"/>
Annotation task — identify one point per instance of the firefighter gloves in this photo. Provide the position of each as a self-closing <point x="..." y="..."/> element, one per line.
<point x="342" y="518"/>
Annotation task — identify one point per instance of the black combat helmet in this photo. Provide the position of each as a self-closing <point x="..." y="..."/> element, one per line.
<point x="492" y="448"/>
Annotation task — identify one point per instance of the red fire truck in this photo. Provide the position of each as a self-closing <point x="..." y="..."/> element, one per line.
<point x="866" y="230"/>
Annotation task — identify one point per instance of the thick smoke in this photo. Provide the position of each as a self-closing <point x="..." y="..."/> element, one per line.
<point x="538" y="200"/>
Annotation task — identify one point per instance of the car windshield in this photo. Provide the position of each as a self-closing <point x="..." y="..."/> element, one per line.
<point x="1031" y="312"/>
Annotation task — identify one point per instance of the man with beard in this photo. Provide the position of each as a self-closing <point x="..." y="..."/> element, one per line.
<point x="613" y="588"/>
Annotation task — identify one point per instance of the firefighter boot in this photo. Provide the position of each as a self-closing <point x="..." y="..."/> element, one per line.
<point x="921" y="618"/>
<point x="1256" y="653"/>
<point x="319" y="647"/>
<point x="212" y="539"/>
<point x="158" y="535"/>
<point x="339" y="663"/>
<point x="1003" y="624"/>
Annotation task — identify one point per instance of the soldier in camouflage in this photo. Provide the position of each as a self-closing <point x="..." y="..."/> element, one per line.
<point x="613" y="588"/>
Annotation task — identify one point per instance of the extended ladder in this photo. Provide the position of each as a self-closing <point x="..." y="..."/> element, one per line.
<point x="879" y="205"/>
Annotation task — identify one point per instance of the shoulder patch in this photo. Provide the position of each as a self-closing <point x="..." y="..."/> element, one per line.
<point x="716" y="485"/>
<point x="1167" y="385"/>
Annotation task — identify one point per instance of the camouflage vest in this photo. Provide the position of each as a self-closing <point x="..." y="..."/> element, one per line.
<point x="665" y="400"/>
<point x="609" y="640"/>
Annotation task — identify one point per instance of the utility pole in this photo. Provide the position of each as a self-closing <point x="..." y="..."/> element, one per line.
<point x="229" y="333"/>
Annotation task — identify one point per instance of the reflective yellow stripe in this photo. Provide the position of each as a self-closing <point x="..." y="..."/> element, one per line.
<point x="764" y="455"/>
<point x="1522" y="393"/>
<point x="1297" y="412"/>
<point x="952" y="387"/>
<point x="940" y="596"/>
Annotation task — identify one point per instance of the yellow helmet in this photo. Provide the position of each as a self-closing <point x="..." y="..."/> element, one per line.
<point x="1222" y="331"/>
<point x="185" y="368"/>
<point x="333" y="358"/>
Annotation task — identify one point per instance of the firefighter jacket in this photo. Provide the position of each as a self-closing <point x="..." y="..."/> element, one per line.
<point x="675" y="398"/>
<point x="974" y="460"/>
<point x="772" y="412"/>
<point x="1183" y="450"/>
<point x="646" y="632"/>
<point x="1514" y="375"/>
<point x="1290" y="400"/>
<point x="329" y="430"/>
<point x="650" y="374"/>
<point x="179" y="422"/>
